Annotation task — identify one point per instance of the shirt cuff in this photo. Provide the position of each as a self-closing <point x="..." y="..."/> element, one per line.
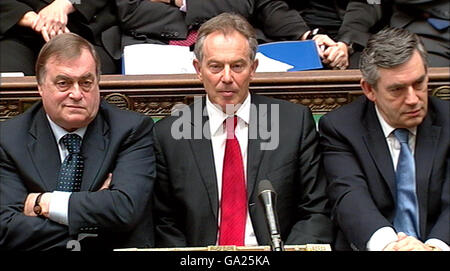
<point x="59" y="207"/>
<point x="438" y="243"/>
<point x="183" y="7"/>
<point x="381" y="238"/>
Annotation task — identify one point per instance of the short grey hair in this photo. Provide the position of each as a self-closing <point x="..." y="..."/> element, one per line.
<point x="226" y="23"/>
<point x="64" y="47"/>
<point x="387" y="49"/>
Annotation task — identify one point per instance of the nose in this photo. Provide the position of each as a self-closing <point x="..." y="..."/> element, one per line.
<point x="75" y="92"/>
<point x="227" y="78"/>
<point x="411" y="96"/>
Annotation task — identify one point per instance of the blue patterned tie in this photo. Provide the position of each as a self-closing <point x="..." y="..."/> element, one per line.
<point x="406" y="214"/>
<point x="71" y="171"/>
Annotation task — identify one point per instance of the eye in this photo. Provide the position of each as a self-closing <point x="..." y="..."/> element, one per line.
<point x="86" y="84"/>
<point x="238" y="67"/>
<point x="419" y="85"/>
<point x="215" y="67"/>
<point x="62" y="84"/>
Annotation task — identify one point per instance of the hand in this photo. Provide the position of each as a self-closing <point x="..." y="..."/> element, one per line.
<point x="407" y="243"/>
<point x="322" y="42"/>
<point x="52" y="19"/>
<point x="106" y="183"/>
<point x="336" y="56"/>
<point x="44" y="203"/>
<point x="28" y="19"/>
<point x="178" y="3"/>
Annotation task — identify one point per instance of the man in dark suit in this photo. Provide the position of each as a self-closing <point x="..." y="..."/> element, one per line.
<point x="277" y="141"/>
<point x="27" y="24"/>
<point x="107" y="200"/>
<point x="429" y="19"/>
<point x="364" y="155"/>
<point x="162" y="21"/>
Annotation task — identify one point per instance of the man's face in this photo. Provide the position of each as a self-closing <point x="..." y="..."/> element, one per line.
<point x="70" y="91"/>
<point x="226" y="68"/>
<point x="401" y="93"/>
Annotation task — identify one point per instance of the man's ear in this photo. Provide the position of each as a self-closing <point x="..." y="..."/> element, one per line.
<point x="368" y="90"/>
<point x="197" y="67"/>
<point x="39" y="89"/>
<point x="254" y="67"/>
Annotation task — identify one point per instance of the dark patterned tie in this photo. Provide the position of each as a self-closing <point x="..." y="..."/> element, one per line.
<point x="233" y="205"/>
<point x="406" y="214"/>
<point x="71" y="171"/>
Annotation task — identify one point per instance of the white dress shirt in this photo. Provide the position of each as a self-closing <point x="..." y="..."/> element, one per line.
<point x="59" y="200"/>
<point x="218" y="140"/>
<point x="385" y="235"/>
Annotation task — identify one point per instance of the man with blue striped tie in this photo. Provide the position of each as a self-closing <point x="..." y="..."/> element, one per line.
<point x="386" y="155"/>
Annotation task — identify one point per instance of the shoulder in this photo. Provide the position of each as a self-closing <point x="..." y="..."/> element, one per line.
<point x="117" y="117"/>
<point x="13" y="128"/>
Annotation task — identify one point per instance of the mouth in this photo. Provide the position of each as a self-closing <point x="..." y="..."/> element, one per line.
<point x="74" y="106"/>
<point x="413" y="113"/>
<point x="227" y="93"/>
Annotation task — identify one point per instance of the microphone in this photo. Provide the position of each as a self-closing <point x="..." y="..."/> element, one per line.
<point x="268" y="198"/>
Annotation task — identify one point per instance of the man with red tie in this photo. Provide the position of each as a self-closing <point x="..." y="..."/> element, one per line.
<point x="212" y="155"/>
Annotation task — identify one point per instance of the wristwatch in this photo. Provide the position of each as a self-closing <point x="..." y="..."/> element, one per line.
<point x="37" y="208"/>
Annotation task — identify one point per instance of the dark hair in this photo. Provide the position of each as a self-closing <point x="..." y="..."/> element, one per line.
<point x="226" y="23"/>
<point x="387" y="49"/>
<point x="63" y="47"/>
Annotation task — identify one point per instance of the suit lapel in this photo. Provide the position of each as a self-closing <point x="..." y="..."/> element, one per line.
<point x="255" y="153"/>
<point x="426" y="143"/>
<point x="378" y="148"/>
<point x="203" y="153"/>
<point x="95" y="143"/>
<point x="44" y="151"/>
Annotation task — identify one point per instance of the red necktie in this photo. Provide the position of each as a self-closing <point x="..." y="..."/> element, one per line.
<point x="190" y="39"/>
<point x="234" y="195"/>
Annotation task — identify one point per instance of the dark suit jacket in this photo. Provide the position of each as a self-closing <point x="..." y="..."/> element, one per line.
<point x="116" y="141"/>
<point x="361" y="174"/>
<point x="93" y="20"/>
<point x="186" y="192"/>
<point x="361" y="20"/>
<point x="152" y="22"/>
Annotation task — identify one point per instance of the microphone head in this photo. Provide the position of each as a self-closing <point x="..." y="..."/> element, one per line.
<point x="265" y="185"/>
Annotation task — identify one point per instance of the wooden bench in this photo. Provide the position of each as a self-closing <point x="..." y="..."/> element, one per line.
<point x="155" y="95"/>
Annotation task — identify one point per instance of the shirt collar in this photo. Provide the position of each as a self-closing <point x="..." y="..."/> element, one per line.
<point x="217" y="116"/>
<point x="59" y="132"/>
<point x="388" y="129"/>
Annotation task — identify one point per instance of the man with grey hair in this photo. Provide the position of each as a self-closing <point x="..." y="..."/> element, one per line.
<point x="72" y="165"/>
<point x="386" y="155"/>
<point x="207" y="185"/>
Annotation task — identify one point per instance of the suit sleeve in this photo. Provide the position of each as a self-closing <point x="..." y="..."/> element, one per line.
<point x="352" y="206"/>
<point x="166" y="231"/>
<point x="11" y="12"/>
<point x="278" y="21"/>
<point x="358" y="20"/>
<point x="313" y="225"/>
<point x="123" y="205"/>
<point x="440" y="230"/>
<point x="18" y="231"/>
<point x="138" y="17"/>
<point x="199" y="11"/>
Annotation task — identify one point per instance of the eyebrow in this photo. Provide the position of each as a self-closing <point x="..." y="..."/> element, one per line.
<point x="83" y="77"/>
<point x="394" y="86"/>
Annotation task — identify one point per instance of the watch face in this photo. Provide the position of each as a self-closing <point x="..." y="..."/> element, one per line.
<point x="37" y="209"/>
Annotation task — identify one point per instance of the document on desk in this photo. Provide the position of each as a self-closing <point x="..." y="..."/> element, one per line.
<point x="157" y="59"/>
<point x="172" y="59"/>
<point x="302" y="55"/>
